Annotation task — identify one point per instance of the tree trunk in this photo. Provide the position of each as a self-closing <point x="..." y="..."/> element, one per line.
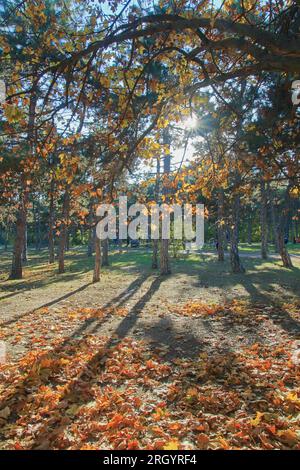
<point x="156" y="199"/>
<point x="164" y="244"/>
<point x="281" y="227"/>
<point x="105" y="247"/>
<point x="38" y="234"/>
<point x="164" y="257"/>
<point x="35" y="225"/>
<point x="91" y="231"/>
<point x="63" y="232"/>
<point x="286" y="259"/>
<point x="154" y="254"/>
<point x="68" y="241"/>
<point x="97" y="266"/>
<point x="24" y="253"/>
<point x="51" y="223"/>
<point x="273" y="218"/>
<point x="235" y="261"/>
<point x="263" y="220"/>
<point x="221" y="225"/>
<point x="16" y="268"/>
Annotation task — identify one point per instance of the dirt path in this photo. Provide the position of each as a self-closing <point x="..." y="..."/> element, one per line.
<point x="147" y="304"/>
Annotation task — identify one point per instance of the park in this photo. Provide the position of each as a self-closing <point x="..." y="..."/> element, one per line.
<point x="149" y="226"/>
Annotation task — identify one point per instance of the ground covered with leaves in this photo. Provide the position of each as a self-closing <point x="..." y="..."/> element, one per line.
<point x="152" y="363"/>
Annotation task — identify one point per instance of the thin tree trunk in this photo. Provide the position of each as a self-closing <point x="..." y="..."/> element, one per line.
<point x="91" y="231"/>
<point x="164" y="257"/>
<point x="38" y="234"/>
<point x="97" y="266"/>
<point x="63" y="232"/>
<point x="105" y="247"/>
<point x="68" y="241"/>
<point x="236" y="264"/>
<point x="263" y="220"/>
<point x="273" y="218"/>
<point x="24" y="254"/>
<point x="286" y="259"/>
<point x="221" y="225"/>
<point x="293" y="230"/>
<point x="51" y="223"/>
<point x="16" y="268"/>
<point x="156" y="199"/>
<point x="154" y="254"/>
<point x="235" y="261"/>
<point x="281" y="227"/>
<point x="35" y="225"/>
<point x="164" y="244"/>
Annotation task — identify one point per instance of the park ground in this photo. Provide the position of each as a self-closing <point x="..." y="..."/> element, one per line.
<point x="201" y="359"/>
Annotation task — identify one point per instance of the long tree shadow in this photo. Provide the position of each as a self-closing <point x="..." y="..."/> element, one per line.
<point x="12" y="294"/>
<point x="218" y="276"/>
<point x="46" y="305"/>
<point x="119" y="300"/>
<point x="93" y="325"/>
<point x="98" y="360"/>
<point x="278" y="314"/>
<point x="48" y="275"/>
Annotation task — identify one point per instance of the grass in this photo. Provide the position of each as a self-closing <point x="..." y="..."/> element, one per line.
<point x="254" y="248"/>
<point x="263" y="279"/>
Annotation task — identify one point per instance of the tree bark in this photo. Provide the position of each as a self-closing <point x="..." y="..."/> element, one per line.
<point x="263" y="219"/>
<point x="273" y="218"/>
<point x="221" y="225"/>
<point x="154" y="254"/>
<point x="164" y="244"/>
<point x="105" y="247"/>
<point x="97" y="266"/>
<point x="281" y="227"/>
<point x="38" y="232"/>
<point x="16" y="268"/>
<point x="68" y="241"/>
<point x="24" y="253"/>
<point x="91" y="231"/>
<point x="235" y="261"/>
<point x="63" y="232"/>
<point x="286" y="259"/>
<point x="156" y="199"/>
<point x="51" y="223"/>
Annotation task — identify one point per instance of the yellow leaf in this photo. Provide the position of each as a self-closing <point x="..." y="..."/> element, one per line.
<point x="257" y="420"/>
<point x="172" y="445"/>
<point x="293" y="397"/>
